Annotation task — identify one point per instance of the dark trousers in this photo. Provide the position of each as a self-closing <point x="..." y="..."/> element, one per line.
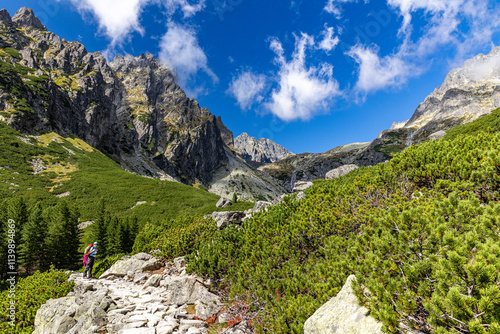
<point x="88" y="268"/>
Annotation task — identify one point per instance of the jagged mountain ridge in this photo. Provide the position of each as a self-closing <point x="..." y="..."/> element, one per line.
<point x="260" y="150"/>
<point x="466" y="94"/>
<point x="130" y="108"/>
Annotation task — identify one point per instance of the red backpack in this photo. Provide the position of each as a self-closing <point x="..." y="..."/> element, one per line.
<point x="85" y="255"/>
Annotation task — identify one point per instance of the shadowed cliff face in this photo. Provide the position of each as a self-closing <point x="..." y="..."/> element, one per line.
<point x="130" y="108"/>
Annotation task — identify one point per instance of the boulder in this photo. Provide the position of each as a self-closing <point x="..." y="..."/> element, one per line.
<point x="300" y="196"/>
<point x="437" y="135"/>
<point x="207" y="304"/>
<point x="260" y="205"/>
<point x="343" y="314"/>
<point x="132" y="265"/>
<point x="340" y="171"/>
<point x="183" y="290"/>
<point x="51" y="318"/>
<point x="301" y="186"/>
<point x="222" y="203"/>
<point x="153" y="281"/>
<point x="180" y="262"/>
<point x="226" y="218"/>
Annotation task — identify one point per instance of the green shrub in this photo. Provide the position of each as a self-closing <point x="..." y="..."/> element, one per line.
<point x="32" y="292"/>
<point x="421" y="234"/>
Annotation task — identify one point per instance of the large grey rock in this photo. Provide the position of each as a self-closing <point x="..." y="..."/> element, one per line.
<point x="340" y="171"/>
<point x="26" y="18"/>
<point x="153" y="281"/>
<point x="437" y="135"/>
<point x="259" y="150"/>
<point x="132" y="265"/>
<point x="222" y="203"/>
<point x="183" y="290"/>
<point x="51" y="318"/>
<point x="207" y="304"/>
<point x="342" y="314"/>
<point x="226" y="218"/>
<point x="301" y="186"/>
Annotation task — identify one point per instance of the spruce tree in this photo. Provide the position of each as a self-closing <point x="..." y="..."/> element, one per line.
<point x="99" y="231"/>
<point x="34" y="250"/>
<point x="64" y="239"/>
<point x="17" y="211"/>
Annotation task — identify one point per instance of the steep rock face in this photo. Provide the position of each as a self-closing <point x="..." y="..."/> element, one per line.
<point x="53" y="85"/>
<point x="183" y="138"/>
<point x="259" y="150"/>
<point x="226" y="134"/>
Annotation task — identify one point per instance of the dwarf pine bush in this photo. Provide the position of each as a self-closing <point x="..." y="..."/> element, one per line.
<point x="421" y="234"/>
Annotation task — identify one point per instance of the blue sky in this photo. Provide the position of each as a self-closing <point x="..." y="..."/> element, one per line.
<point x="310" y="75"/>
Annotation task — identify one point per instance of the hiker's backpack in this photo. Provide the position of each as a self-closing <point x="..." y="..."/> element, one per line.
<point x="87" y="249"/>
<point x="85" y="255"/>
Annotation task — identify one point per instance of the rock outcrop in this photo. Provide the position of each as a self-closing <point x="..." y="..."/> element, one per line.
<point x="259" y="150"/>
<point x="25" y="17"/>
<point x="223" y="202"/>
<point x="166" y="301"/>
<point x="342" y="314"/>
<point x="340" y="171"/>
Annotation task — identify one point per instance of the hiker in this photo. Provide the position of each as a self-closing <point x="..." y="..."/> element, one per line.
<point x="91" y="254"/>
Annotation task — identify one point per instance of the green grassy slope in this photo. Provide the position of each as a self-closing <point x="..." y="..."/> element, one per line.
<point x="88" y="175"/>
<point x="421" y="233"/>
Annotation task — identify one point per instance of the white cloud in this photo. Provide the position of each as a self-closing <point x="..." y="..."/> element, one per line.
<point x="116" y="18"/>
<point x="247" y="88"/>
<point x="187" y="8"/>
<point x="329" y="42"/>
<point x="377" y="73"/>
<point x="464" y="25"/>
<point x="180" y="50"/>
<point x="303" y="91"/>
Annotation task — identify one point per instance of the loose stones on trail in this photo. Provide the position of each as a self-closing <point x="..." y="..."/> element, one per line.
<point x="131" y="299"/>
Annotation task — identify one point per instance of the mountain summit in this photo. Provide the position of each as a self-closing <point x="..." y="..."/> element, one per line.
<point x="259" y="150"/>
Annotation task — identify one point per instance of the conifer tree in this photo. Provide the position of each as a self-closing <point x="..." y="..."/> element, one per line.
<point x="34" y="250"/>
<point x="64" y="239"/>
<point x="18" y="212"/>
<point x="99" y="232"/>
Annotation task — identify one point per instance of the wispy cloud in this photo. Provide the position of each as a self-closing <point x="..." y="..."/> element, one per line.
<point x="187" y="8"/>
<point x="247" y="88"/>
<point x="116" y="18"/>
<point x="303" y="91"/>
<point x="179" y="49"/>
<point x="329" y="42"/>
<point x="463" y="25"/>
<point x="378" y="72"/>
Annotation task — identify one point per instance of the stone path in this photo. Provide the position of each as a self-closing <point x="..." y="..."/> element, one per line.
<point x="128" y="300"/>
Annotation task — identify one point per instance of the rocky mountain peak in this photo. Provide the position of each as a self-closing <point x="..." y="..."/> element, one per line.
<point x="466" y="94"/>
<point x="5" y="16"/>
<point x="259" y="150"/>
<point x="26" y="18"/>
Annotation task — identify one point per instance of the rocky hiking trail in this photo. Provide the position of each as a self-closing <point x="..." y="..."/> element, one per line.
<point x="140" y="295"/>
